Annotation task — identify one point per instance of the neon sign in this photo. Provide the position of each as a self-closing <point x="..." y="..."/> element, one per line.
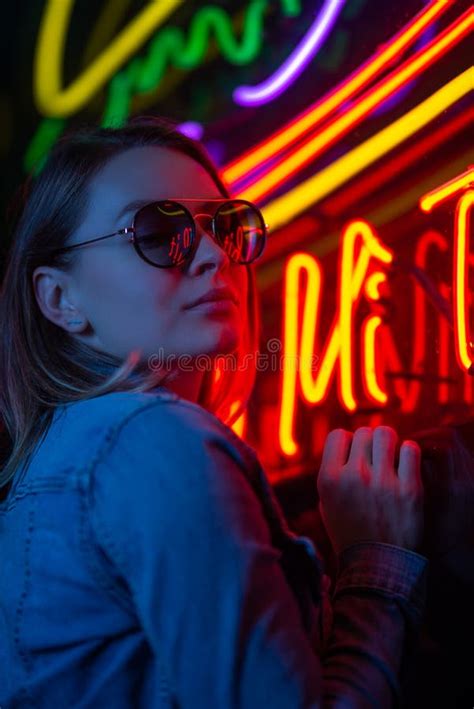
<point x="464" y="343"/>
<point x="362" y="277"/>
<point x="141" y="72"/>
<point x="51" y="98"/>
<point x="296" y="63"/>
<point x="440" y="194"/>
<point x="353" y="273"/>
<point x="347" y="90"/>
<point x="312" y="147"/>
<point x="168" y="46"/>
<point x="283" y="209"/>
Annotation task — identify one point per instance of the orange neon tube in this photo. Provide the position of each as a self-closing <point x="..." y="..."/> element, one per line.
<point x="315" y="145"/>
<point x="446" y="191"/>
<point x="393" y="166"/>
<point x="348" y="89"/>
<point x="296" y="264"/>
<point x="464" y="346"/>
<point x="282" y="209"/>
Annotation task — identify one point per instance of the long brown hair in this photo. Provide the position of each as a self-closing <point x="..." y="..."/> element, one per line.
<point x="41" y="365"/>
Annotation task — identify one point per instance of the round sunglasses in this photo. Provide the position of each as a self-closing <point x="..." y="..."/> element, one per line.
<point x="163" y="233"/>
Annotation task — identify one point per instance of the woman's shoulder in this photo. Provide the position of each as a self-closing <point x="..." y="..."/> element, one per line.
<point x="154" y="418"/>
<point x="80" y="432"/>
<point x="160" y="416"/>
<point x="161" y="434"/>
<point x="94" y="418"/>
<point x="116" y="409"/>
<point x="173" y="452"/>
<point x="120" y="433"/>
<point x="109" y="410"/>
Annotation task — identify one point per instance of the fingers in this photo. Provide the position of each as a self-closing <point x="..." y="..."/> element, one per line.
<point x="374" y="450"/>
<point x="409" y="473"/>
<point x="383" y="451"/>
<point x="336" y="449"/>
<point x="361" y="448"/>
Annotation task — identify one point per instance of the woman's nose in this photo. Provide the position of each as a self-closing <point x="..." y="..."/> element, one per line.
<point x="208" y="250"/>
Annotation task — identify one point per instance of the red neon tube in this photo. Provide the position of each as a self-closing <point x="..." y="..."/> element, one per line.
<point x="358" y="80"/>
<point x="317" y="144"/>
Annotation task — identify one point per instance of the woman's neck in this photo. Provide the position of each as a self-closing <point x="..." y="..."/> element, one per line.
<point x="187" y="385"/>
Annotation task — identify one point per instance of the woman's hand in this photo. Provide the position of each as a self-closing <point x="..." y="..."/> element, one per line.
<point x="363" y="497"/>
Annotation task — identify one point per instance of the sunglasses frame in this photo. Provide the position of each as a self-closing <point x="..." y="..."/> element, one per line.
<point x="131" y="230"/>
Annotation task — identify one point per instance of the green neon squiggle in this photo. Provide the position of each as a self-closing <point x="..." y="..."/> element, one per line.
<point x="43" y="140"/>
<point x="170" y="47"/>
<point x="291" y="8"/>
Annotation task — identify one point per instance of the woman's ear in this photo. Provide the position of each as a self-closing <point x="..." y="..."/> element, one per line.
<point x="52" y="289"/>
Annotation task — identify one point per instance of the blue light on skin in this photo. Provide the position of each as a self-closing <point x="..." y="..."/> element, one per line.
<point x="126" y="304"/>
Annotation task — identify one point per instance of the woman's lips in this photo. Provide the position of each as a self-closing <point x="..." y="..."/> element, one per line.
<point x="225" y="305"/>
<point x="222" y="293"/>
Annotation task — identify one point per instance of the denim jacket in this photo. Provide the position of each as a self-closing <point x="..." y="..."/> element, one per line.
<point x="145" y="562"/>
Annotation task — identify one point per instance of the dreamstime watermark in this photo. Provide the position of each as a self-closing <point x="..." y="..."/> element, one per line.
<point x="271" y="361"/>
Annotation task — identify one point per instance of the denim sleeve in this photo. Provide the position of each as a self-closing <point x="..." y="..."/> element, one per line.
<point x="173" y="512"/>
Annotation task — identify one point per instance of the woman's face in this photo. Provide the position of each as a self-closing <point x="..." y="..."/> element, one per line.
<point x="130" y="304"/>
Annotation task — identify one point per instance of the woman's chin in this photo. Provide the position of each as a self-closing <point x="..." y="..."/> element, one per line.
<point x="219" y="340"/>
<point x="228" y="343"/>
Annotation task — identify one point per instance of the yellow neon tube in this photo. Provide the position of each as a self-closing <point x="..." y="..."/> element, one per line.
<point x="282" y="209"/>
<point x="464" y="347"/>
<point x="346" y="304"/>
<point x="352" y="275"/>
<point x="298" y="262"/>
<point x="369" y="370"/>
<point x="50" y="96"/>
<point x="440" y="194"/>
<point x="372" y="285"/>
<point x="347" y="89"/>
<point x="350" y="118"/>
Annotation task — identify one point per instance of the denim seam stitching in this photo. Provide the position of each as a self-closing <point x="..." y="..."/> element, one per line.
<point x="110" y="440"/>
<point x="91" y="563"/>
<point x="22" y="653"/>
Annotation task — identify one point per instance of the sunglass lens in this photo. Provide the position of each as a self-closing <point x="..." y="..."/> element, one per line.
<point x="164" y="233"/>
<point x="241" y="230"/>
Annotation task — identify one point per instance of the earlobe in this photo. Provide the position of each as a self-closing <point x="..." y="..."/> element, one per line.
<point x="50" y="289"/>
<point x="75" y="324"/>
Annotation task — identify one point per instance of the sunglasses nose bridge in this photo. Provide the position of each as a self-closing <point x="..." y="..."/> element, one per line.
<point x="205" y="222"/>
<point x="205" y="226"/>
<point x="199" y="215"/>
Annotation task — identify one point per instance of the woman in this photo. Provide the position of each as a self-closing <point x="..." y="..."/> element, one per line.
<point x="147" y="563"/>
